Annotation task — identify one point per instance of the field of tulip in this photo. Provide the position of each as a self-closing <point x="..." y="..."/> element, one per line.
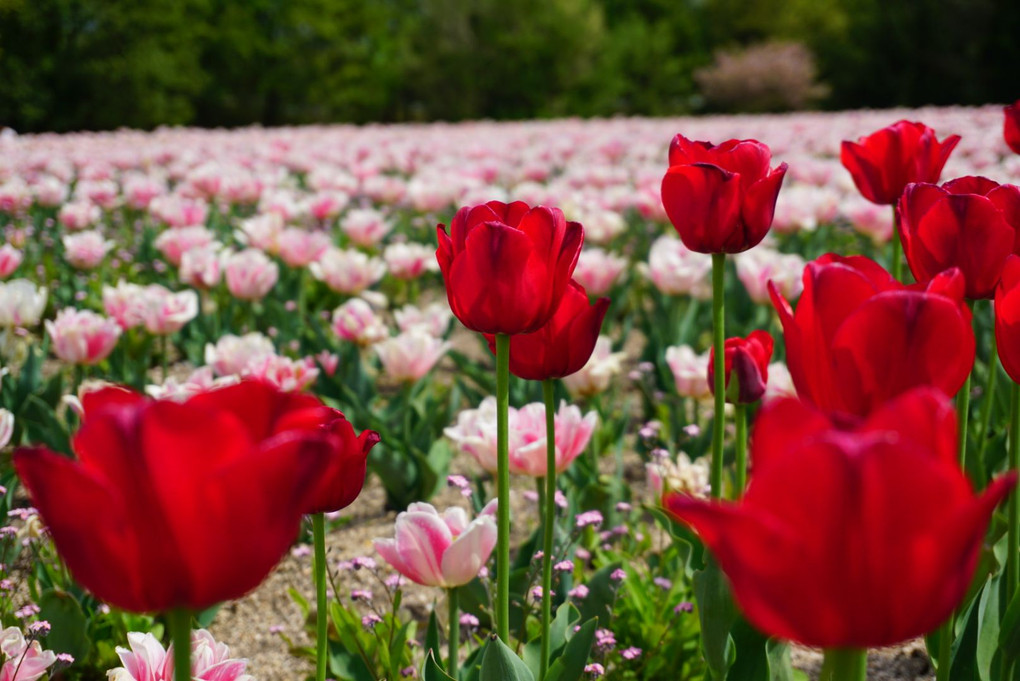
<point x="645" y="407"/>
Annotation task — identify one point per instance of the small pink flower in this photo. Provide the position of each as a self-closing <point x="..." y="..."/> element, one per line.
<point x="347" y="271"/>
<point x="23" y="661"/>
<point x="410" y="355"/>
<point x="50" y="191"/>
<point x="10" y="258"/>
<point x="202" y="267"/>
<point x="327" y="204"/>
<point x="594" y="377"/>
<point x="300" y="247"/>
<point x="167" y="312"/>
<point x="82" y="336"/>
<point x="688" y="371"/>
<point x="262" y="232"/>
<point x="177" y="211"/>
<point x="329" y="362"/>
<point x="597" y="270"/>
<point x="140" y="190"/>
<point x="85" y="250"/>
<point x="288" y="375"/>
<point x="436" y="549"/>
<point x="250" y="274"/>
<point x="232" y="354"/>
<point x="365" y="226"/>
<point x="758" y="266"/>
<point x="174" y="243"/>
<point x="146" y="660"/>
<point x="357" y="322"/>
<point x="79" y="215"/>
<point x="126" y="303"/>
<point x="410" y="260"/>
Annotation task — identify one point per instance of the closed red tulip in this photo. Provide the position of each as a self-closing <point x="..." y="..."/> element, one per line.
<point x="859" y="338"/>
<point x="969" y="223"/>
<point x="721" y="198"/>
<point x="747" y="367"/>
<point x="850" y="538"/>
<point x="1011" y="126"/>
<point x="564" y="344"/>
<point x="885" y="162"/>
<point x="506" y="266"/>
<point x="1007" y="317"/>
<point x="181" y="505"/>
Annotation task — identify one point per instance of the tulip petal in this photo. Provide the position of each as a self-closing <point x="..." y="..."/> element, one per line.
<point x="703" y="203"/>
<point x="466" y="556"/>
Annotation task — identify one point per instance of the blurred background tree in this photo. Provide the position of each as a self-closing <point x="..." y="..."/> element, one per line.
<point x="97" y="64"/>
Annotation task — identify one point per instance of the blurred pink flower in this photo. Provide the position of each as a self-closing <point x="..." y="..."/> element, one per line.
<point x="410" y="355"/>
<point x="597" y="270"/>
<point x="365" y="226"/>
<point x="202" y="267"/>
<point x="85" y="250"/>
<point x="232" y="354"/>
<point x="357" y="322"/>
<point x="327" y="204"/>
<point x="329" y="361"/>
<point x="347" y="271"/>
<point x="82" y="336"/>
<point x="410" y="260"/>
<point x="174" y="243"/>
<point x="146" y="660"/>
<point x="167" y="312"/>
<point x="10" y="258"/>
<point x="758" y="266"/>
<point x="288" y="375"/>
<point x="262" y="232"/>
<point x="869" y="218"/>
<point x="689" y="371"/>
<point x="23" y="661"/>
<point x="177" y="211"/>
<point x="79" y="214"/>
<point x="434" y="318"/>
<point x="126" y="303"/>
<point x="198" y="381"/>
<point x="594" y="377"/>
<point x="140" y="190"/>
<point x="676" y="270"/>
<point x="6" y="427"/>
<point x="250" y="274"/>
<point x="444" y="550"/>
<point x="301" y="247"/>
<point x="21" y="303"/>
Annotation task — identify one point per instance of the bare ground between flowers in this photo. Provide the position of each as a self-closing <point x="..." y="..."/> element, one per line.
<point x="246" y="624"/>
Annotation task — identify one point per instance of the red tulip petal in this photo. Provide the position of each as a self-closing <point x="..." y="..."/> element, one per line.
<point x="780" y="422"/>
<point x="703" y="203"/>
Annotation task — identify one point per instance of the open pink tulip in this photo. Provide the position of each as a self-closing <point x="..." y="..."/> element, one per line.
<point x="436" y="549"/>
<point x="21" y="661"/>
<point x="146" y="660"/>
<point x="82" y="336"/>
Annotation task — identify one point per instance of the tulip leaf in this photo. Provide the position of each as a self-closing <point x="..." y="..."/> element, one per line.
<point x="570" y="665"/>
<point x="759" y="658"/>
<point x="42" y="425"/>
<point x="988" y="628"/>
<point x="1009" y="630"/>
<point x="601" y="594"/>
<point x="718" y="614"/>
<point x="431" y="671"/>
<point x="432" y="639"/>
<point x="69" y="632"/>
<point x="694" y="550"/>
<point x="205" y="617"/>
<point x="499" y="663"/>
<point x="559" y="628"/>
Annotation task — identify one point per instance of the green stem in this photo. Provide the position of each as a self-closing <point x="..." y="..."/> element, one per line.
<point x="321" y="622"/>
<point x="503" y="487"/>
<point x="844" y="665"/>
<point x="897" y="248"/>
<point x="549" y="525"/>
<point x="179" y="622"/>
<point x="454" y="636"/>
<point x="1013" y="540"/>
<point x="963" y="417"/>
<point x="741" y="418"/>
<point x="986" y="405"/>
<point x="718" y="343"/>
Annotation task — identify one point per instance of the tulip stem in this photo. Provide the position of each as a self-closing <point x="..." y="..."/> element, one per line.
<point x="321" y="622"/>
<point x="549" y="524"/>
<point x="986" y="405"/>
<point x="718" y="342"/>
<point x="179" y="622"/>
<point x="963" y="417"/>
<point x="741" y="419"/>
<point x="503" y="487"/>
<point x="1013" y="540"/>
<point x="844" y="665"/>
<point x="454" y="635"/>
<point x="897" y="247"/>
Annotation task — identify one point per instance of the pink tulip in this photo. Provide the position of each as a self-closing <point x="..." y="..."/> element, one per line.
<point x="23" y="661"/>
<point x="347" y="271"/>
<point x="174" y="243"/>
<point x="286" y="374"/>
<point x="597" y="270"/>
<point x="140" y="190"/>
<point x="357" y="322"/>
<point x="50" y="191"/>
<point x="440" y="550"/>
<point x="300" y="247"/>
<point x="232" y="354"/>
<point x="82" y="336"/>
<point x="126" y="303"/>
<point x="409" y="356"/>
<point x="327" y="204"/>
<point x="676" y="270"/>
<point x="21" y="303"/>
<point x="262" y="232"/>
<point x="689" y="371"/>
<point x="85" y="250"/>
<point x="329" y="361"/>
<point x="167" y="312"/>
<point x="573" y="432"/>
<point x="10" y="258"/>
<point x="434" y="318"/>
<point x="594" y="377"/>
<point x="198" y="381"/>
<point x="201" y="267"/>
<point x="145" y="659"/>
<point x="79" y="215"/>
<point x="758" y="266"/>
<point x="250" y="274"/>
<point x="364" y="226"/>
<point x="177" y="211"/>
<point x="410" y="260"/>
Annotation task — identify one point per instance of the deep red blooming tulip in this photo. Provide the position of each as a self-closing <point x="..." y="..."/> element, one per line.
<point x="1007" y="317"/>
<point x="720" y="198"/>
<point x="181" y="505"/>
<point x="850" y="538"/>
<point x="885" y="162"/>
<point x="859" y="338"/>
<point x="506" y="266"/>
<point x="1011" y="126"/>
<point x="969" y="223"/>
<point x="564" y="344"/>
<point x="747" y="359"/>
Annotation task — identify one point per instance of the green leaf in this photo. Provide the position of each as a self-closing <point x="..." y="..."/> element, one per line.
<point x="345" y="666"/>
<point x="988" y="628"/>
<point x="69" y="633"/>
<point x="432" y="637"/>
<point x="566" y="616"/>
<point x="301" y="601"/>
<point x="1009" y="630"/>
<point x="570" y="665"/>
<point x="718" y="615"/>
<point x="499" y="663"/>
<point x="205" y="617"/>
<point x="431" y="671"/>
<point x="601" y="594"/>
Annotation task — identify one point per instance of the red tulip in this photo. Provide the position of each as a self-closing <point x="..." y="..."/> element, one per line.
<point x="850" y="538"/>
<point x="564" y="344"/>
<point x="885" y="162"/>
<point x="859" y="338"/>
<point x="1011" y="126"/>
<point x="969" y="223"/>
<point x="181" y="505"/>
<point x="506" y="266"/>
<point x="720" y="199"/>
<point x="748" y="360"/>
<point x="1007" y="317"/>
